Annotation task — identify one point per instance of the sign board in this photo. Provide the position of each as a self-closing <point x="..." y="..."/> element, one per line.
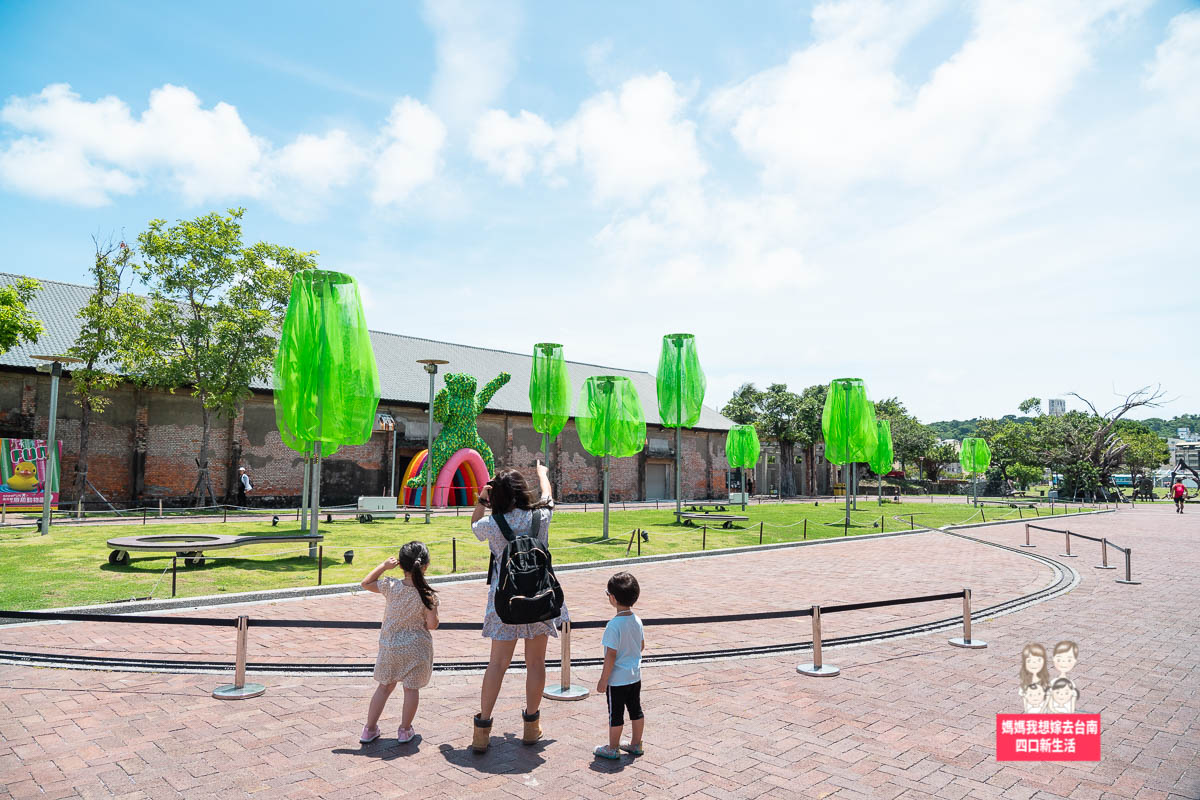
<point x="25" y="473"/>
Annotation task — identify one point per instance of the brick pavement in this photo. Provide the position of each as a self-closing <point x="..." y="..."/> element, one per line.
<point x="910" y="718"/>
<point x="830" y="572"/>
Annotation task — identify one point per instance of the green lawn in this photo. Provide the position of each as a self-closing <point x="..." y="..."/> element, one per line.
<point x="70" y="566"/>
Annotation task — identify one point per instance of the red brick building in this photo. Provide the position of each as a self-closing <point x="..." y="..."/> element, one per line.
<point x="144" y="446"/>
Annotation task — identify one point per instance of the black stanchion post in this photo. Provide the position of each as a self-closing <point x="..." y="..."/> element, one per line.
<point x="320" y="564"/>
<point x="174" y="559"/>
<point x="760" y="532"/>
<point x="454" y="554"/>
<point x="639" y="541"/>
<point x="143" y="516"/>
<point x="1128" y="569"/>
<point x="224" y="514"/>
<point x="881" y="516"/>
<point x="704" y="537"/>
<point x="806" y="527"/>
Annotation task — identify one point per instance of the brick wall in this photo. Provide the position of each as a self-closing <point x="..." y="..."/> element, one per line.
<point x="144" y="448"/>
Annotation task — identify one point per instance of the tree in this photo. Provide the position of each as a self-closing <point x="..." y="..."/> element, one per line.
<point x="742" y="408"/>
<point x="812" y="403"/>
<point x="214" y="314"/>
<point x="780" y="419"/>
<point x="17" y="323"/>
<point x="1145" y="449"/>
<point x="109" y="312"/>
<point x="911" y="440"/>
<point x="1024" y="474"/>
<point x="937" y="457"/>
<point x="1032" y="404"/>
<point x="787" y="418"/>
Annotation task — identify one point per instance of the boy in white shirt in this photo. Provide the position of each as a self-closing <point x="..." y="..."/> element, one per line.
<point x="621" y="678"/>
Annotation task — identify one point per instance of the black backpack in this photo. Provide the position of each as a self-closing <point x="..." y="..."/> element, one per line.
<point x="527" y="590"/>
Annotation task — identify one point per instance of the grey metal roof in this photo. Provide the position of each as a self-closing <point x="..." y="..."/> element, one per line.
<point x="401" y="379"/>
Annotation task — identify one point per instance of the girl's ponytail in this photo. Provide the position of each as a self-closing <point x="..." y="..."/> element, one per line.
<point x="414" y="558"/>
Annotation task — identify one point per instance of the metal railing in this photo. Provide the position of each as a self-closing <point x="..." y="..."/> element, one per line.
<point x="240" y="689"/>
<point x="1104" y="545"/>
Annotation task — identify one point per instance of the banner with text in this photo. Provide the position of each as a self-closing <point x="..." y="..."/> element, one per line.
<point x="26" y="472"/>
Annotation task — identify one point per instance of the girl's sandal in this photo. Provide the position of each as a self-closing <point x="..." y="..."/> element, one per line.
<point x="368" y="735"/>
<point x="633" y="749"/>
<point x="604" y="751"/>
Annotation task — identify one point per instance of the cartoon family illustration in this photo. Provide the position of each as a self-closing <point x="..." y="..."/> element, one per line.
<point x="1038" y="693"/>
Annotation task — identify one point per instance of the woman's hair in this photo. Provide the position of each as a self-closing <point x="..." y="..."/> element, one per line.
<point x="414" y="558"/>
<point x="509" y="491"/>
<point x="1043" y="675"/>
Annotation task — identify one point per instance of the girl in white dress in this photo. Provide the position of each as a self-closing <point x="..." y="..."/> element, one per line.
<point x="405" y="644"/>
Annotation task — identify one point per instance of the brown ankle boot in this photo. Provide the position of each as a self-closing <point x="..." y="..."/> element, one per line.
<point x="533" y="727"/>
<point x="483" y="735"/>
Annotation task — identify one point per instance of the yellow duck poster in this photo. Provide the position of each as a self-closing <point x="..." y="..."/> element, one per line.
<point x="23" y="473"/>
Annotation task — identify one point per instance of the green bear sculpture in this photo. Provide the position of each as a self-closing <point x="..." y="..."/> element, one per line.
<point x="457" y="407"/>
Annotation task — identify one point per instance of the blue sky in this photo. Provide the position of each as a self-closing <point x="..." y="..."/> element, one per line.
<point x="963" y="203"/>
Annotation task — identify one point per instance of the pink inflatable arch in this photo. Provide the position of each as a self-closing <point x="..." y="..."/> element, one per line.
<point x="473" y="463"/>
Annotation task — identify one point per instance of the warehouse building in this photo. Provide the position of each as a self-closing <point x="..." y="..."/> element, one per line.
<point x="144" y="446"/>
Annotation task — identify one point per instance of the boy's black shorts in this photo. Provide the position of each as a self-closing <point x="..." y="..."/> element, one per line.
<point x="623" y="697"/>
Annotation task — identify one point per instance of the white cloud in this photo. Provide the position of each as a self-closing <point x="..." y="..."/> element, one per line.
<point x="86" y="152"/>
<point x="99" y="147"/>
<point x="37" y="168"/>
<point x="475" y="40"/>
<point x="631" y="142"/>
<point x="414" y="137"/>
<point x="837" y="112"/>
<point x="1175" y="71"/>
<point x="508" y="145"/>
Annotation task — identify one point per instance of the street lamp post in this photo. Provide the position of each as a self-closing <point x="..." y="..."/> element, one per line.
<point x="54" y="366"/>
<point x="431" y="366"/>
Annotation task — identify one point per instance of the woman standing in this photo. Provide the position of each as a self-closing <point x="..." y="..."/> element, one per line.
<point x="507" y="495"/>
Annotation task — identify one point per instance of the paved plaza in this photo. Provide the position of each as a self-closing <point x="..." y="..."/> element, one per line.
<point x="909" y="717"/>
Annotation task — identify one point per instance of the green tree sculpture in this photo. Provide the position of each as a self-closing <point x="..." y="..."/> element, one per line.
<point x="457" y="407"/>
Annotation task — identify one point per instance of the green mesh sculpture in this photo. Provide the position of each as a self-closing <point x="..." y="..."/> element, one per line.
<point x="975" y="456"/>
<point x="848" y="422"/>
<point x="848" y="425"/>
<point x="680" y="387"/>
<point x="681" y="381"/>
<point x="609" y="417"/>
<point x="741" y="451"/>
<point x="883" y="456"/>
<point x="549" y="392"/>
<point x="326" y="382"/>
<point x="610" y="422"/>
<point x="881" y="460"/>
<point x="742" y="446"/>
<point x="457" y="407"/>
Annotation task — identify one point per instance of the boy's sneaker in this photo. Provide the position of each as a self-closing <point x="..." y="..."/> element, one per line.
<point x="369" y="734"/>
<point x="604" y="751"/>
<point x="633" y="749"/>
<point x="405" y="735"/>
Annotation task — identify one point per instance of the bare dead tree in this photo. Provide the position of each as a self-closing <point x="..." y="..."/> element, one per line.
<point x="1104" y="448"/>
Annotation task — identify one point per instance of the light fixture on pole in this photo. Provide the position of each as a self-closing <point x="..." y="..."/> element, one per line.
<point x="431" y="366"/>
<point x="53" y="365"/>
